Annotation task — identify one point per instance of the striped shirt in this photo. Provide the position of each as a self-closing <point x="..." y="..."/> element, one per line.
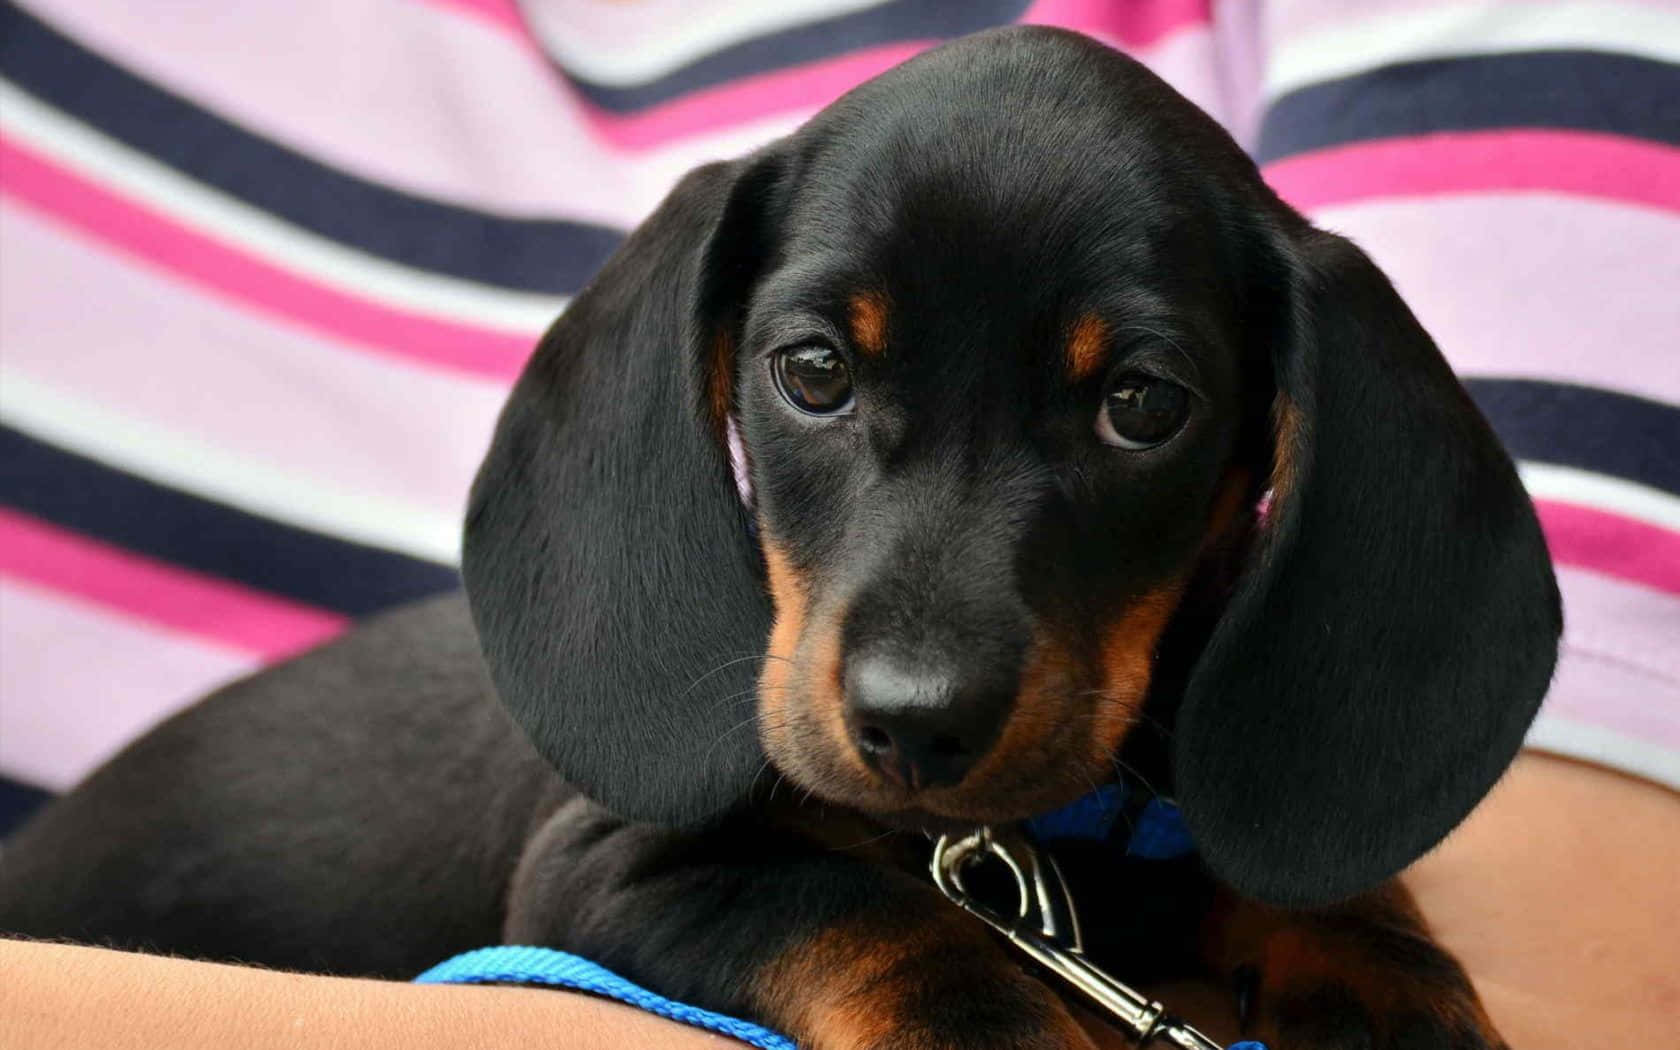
<point x="268" y="269"/>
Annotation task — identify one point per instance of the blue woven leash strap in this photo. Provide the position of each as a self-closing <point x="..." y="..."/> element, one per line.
<point x="517" y="964"/>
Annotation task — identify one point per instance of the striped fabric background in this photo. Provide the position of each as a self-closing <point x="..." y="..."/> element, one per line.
<point x="267" y="269"/>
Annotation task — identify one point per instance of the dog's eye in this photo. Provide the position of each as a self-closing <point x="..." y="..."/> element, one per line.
<point x="814" y="379"/>
<point x="1140" y="411"/>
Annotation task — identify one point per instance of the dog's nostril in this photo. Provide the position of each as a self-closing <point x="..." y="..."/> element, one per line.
<point x="874" y="738"/>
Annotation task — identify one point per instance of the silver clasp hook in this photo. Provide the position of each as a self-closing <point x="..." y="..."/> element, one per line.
<point x="1046" y="927"/>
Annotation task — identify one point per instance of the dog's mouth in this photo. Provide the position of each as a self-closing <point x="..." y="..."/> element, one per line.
<point x="1037" y="766"/>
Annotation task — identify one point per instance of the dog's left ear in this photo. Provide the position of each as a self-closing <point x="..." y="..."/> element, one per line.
<point x="618" y="597"/>
<point x="1376" y="668"/>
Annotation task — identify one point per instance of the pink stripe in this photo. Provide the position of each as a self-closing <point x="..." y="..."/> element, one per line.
<point x="79" y="681"/>
<point x="1569" y="289"/>
<point x="1135" y="23"/>
<point x="503" y="14"/>
<point x="165" y="243"/>
<point x="1582" y="163"/>
<point x="226" y="613"/>
<point x="1612" y="544"/>
<point x="279" y="397"/>
<point x="1139" y="24"/>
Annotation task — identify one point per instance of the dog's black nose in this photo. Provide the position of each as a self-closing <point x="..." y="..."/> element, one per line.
<point x="921" y="728"/>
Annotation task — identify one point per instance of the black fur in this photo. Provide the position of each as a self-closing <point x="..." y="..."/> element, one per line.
<point x="1339" y="683"/>
<point x="606" y="555"/>
<point x="1376" y="669"/>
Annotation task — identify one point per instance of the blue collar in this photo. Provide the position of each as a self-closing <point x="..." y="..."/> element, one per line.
<point x="1156" y="828"/>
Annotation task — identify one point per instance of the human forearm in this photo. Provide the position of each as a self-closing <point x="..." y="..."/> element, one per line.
<point x="54" y="996"/>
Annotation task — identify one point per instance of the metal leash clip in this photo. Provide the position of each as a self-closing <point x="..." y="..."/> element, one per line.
<point x="1046" y="928"/>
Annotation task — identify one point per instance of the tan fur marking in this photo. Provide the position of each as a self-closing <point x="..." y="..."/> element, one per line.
<point x="838" y="987"/>
<point x="804" y="656"/>
<point x="1128" y="659"/>
<point x="828" y="695"/>
<point x="720" y="386"/>
<point x="855" y="986"/>
<point x="1045" y="676"/>
<point x="867" y="314"/>
<point x="1288" y="433"/>
<point x="1087" y="346"/>
<point x="788" y="594"/>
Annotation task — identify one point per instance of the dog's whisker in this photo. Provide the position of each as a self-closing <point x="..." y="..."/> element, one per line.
<point x="1128" y="769"/>
<point x="748" y="658"/>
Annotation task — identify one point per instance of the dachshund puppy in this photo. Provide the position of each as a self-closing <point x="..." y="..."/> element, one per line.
<point x="995" y="436"/>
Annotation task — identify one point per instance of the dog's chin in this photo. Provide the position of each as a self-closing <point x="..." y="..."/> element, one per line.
<point x="937" y="811"/>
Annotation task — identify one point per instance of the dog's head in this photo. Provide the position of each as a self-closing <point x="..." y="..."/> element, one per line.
<point x="891" y="453"/>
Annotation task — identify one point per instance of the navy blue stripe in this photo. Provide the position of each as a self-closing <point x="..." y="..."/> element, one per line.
<point x="95" y="500"/>
<point x="1577" y="90"/>
<point x="17" y="802"/>
<point x="1585" y="427"/>
<point x="904" y="20"/>
<point x="538" y="255"/>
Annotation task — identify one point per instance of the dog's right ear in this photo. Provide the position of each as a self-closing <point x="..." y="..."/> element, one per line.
<point x="618" y="597"/>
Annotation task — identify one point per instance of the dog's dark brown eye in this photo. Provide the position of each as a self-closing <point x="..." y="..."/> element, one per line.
<point x="814" y="379"/>
<point x="1140" y="411"/>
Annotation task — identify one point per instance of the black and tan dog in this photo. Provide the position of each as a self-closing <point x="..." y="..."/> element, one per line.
<point x="1007" y="348"/>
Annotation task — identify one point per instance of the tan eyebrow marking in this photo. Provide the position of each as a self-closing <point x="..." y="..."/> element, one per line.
<point x="1087" y="345"/>
<point x="868" y="316"/>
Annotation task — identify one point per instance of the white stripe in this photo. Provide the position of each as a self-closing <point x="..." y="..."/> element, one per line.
<point x="170" y="459"/>
<point x="1605" y="747"/>
<point x="132" y="174"/>
<point x="634" y="56"/>
<point x="1601" y="492"/>
<point x="1454" y="30"/>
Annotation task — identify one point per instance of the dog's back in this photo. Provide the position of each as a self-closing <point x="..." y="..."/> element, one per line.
<point x="359" y="810"/>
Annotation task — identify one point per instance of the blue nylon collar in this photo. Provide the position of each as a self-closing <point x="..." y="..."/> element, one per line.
<point x="1157" y="830"/>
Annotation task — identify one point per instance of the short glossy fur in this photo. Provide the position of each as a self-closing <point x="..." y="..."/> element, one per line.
<point x="987" y="236"/>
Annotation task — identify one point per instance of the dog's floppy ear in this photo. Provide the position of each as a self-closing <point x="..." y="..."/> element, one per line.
<point x="617" y="594"/>
<point x="1375" y="670"/>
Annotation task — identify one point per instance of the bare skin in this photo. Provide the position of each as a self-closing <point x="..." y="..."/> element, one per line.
<point x="59" y="997"/>
<point x="1556" y="894"/>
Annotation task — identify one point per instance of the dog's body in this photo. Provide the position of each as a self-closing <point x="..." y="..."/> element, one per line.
<point x="1006" y="349"/>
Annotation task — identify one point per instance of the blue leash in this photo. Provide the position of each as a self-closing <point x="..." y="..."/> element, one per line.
<point x="1157" y="833"/>
<point x="517" y="964"/>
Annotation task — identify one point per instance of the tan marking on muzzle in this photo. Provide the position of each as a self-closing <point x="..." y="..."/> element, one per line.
<point x="800" y="642"/>
<point x="789" y="596"/>
<point x="1046" y="673"/>
<point x="1128" y="660"/>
